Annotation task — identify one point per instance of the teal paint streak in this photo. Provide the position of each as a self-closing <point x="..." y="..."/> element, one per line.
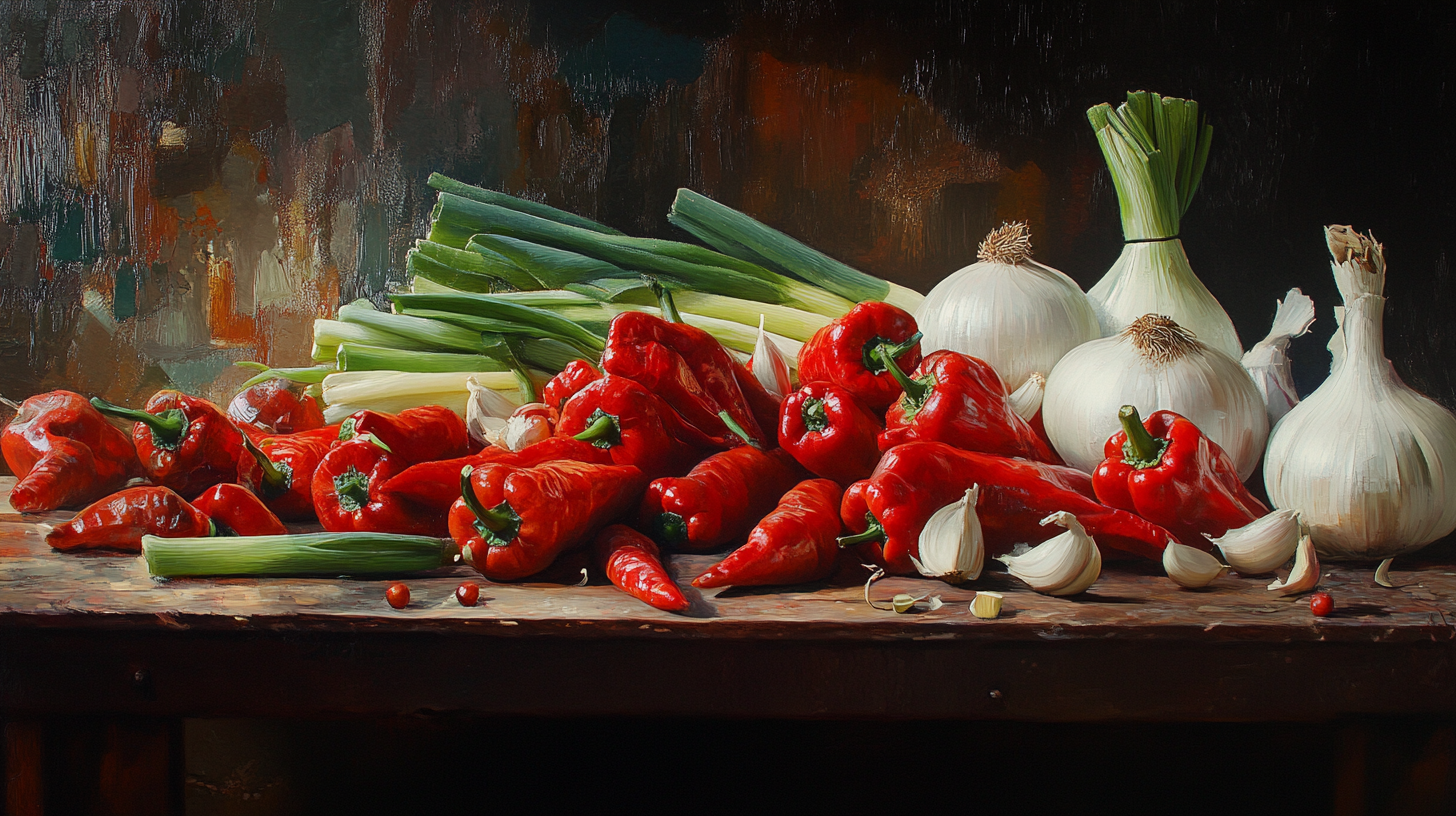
<point x="632" y="58"/>
<point x="123" y="301"/>
<point x="320" y="45"/>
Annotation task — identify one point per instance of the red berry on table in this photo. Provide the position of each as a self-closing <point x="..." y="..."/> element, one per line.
<point x="468" y="593"/>
<point x="398" y="595"/>
<point x="1321" y="604"/>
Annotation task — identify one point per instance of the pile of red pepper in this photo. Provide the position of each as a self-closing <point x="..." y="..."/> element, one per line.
<point x="671" y="445"/>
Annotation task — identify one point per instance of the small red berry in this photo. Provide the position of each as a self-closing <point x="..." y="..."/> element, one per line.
<point x="468" y="593"/>
<point x="397" y="595"/>
<point x="1321" y="604"/>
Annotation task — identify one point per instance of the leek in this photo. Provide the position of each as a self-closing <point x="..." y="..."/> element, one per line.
<point x="296" y="554"/>
<point x="445" y="184"/>
<point x="355" y="357"/>
<point x="529" y="319"/>
<point x="309" y="374"/>
<point x="479" y="264"/>
<point x="432" y="333"/>
<point x="551" y="355"/>
<point x="393" y="391"/>
<point x="329" y="334"/>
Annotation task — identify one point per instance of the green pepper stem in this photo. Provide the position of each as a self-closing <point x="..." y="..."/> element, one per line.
<point x="275" y="481"/>
<point x="916" y="391"/>
<point x="816" y="416"/>
<point x="905" y="345"/>
<point x="603" y="428"/>
<point x="738" y="430"/>
<point x="670" y="528"/>
<point x="874" y="532"/>
<point x="168" y="426"/>
<point x="1141" y="450"/>
<point x="494" y="519"/>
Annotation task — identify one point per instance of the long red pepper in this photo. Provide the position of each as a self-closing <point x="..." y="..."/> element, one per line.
<point x="577" y="375"/>
<point x="347" y="495"/>
<point x="830" y="433"/>
<point x="916" y="479"/>
<point x="847" y="352"/>
<point x="420" y="434"/>
<point x="279" y="469"/>
<point x="633" y="563"/>
<point x="718" y="500"/>
<point x="633" y="426"/>
<point x="65" y="453"/>
<point x="275" y="406"/>
<point x="235" y="510"/>
<point x="794" y="544"/>
<point x="119" y="521"/>
<point x="185" y="443"/>
<point x="434" y="486"/>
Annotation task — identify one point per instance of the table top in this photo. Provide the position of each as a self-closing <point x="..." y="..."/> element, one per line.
<point x="57" y="603"/>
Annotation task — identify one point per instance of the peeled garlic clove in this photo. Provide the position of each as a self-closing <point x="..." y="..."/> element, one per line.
<point x="1306" y="572"/>
<point x="952" y="547"/>
<point x="769" y="365"/>
<point x="485" y="412"/>
<point x="986" y="605"/>
<point x="1190" y="568"/>
<point x="1089" y="576"/>
<point x="1026" y="400"/>
<point x="527" y="425"/>
<point x="1263" y="545"/>
<point x="1059" y="565"/>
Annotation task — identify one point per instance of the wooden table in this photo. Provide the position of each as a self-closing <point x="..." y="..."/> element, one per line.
<point x="95" y="634"/>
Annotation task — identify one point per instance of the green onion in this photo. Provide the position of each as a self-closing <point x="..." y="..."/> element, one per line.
<point x="491" y="308"/>
<point x="432" y="333"/>
<point x="553" y="267"/>
<point x="296" y="554"/>
<point x="481" y="264"/>
<point x="446" y="184"/>
<point x="552" y="355"/>
<point x="354" y="357"/>
<point x="309" y="374"/>
<point x="1156" y="151"/>
<point x="424" y="267"/>
<point x="393" y="391"/>
<point x="328" y="335"/>
<point x="734" y="233"/>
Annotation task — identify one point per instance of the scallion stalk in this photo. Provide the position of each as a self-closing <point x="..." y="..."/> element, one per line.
<point x="445" y="184"/>
<point x="329" y="334"/>
<point x="483" y="264"/>
<point x="296" y="554"/>
<point x="308" y="374"/>
<point x="393" y="391"/>
<point x="355" y="357"/>
<point x="432" y="333"/>
<point x="491" y="308"/>
<point x="553" y="267"/>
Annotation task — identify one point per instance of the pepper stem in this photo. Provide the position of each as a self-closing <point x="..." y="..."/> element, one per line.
<point x="915" y="390"/>
<point x="491" y="523"/>
<point x="875" y="532"/>
<point x="352" y="487"/>
<point x="738" y="430"/>
<point x="664" y="300"/>
<point x="603" y="430"/>
<point x="167" y="427"/>
<point x="1141" y="450"/>
<point x="816" y="417"/>
<point x="276" y="480"/>
<point x="669" y="528"/>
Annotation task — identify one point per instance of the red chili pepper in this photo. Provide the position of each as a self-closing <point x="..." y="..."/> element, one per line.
<point x="830" y="433"/>
<point x="119" y="521"/>
<point x="184" y="443"/>
<point x="794" y="544"/>
<point x="512" y="522"/>
<point x="1166" y="470"/>
<point x="276" y="406"/>
<point x="577" y="375"/>
<point x="918" y="478"/>
<point x="347" y="495"/>
<point x="235" y="510"/>
<point x="847" y="352"/>
<point x="633" y="426"/>
<point x="633" y="563"/>
<point x="719" y="500"/>
<point x="434" y="486"/>
<point x="65" y="453"/>
<point x="279" y="469"/>
<point x="530" y="423"/>
<point x="420" y="434"/>
<point x="960" y="400"/>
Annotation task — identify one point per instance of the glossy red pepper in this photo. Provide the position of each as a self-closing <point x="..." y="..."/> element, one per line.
<point x="119" y="521"/>
<point x="916" y="479"/>
<point x="512" y="522"/>
<point x="794" y="544"/>
<point x="1166" y="470"/>
<point x="634" y="427"/>
<point x="235" y="510"/>
<point x="633" y="564"/>
<point x="420" y="434"/>
<point x="347" y="495"/>
<point x="527" y="425"/>
<point x="960" y="400"/>
<point x="434" y="486"/>
<point x="577" y="375"/>
<point x="65" y="453"/>
<point x="847" y="352"/>
<point x="185" y="443"/>
<point x="279" y="469"/>
<point x="276" y="406"/>
<point x="830" y="433"/>
<point x="719" y="500"/>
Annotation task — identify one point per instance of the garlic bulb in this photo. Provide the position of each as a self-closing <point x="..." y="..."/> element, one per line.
<point x="1007" y="309"/>
<point x="1062" y="565"/>
<point x="1025" y="401"/>
<point x="1190" y="568"/>
<point x="952" y="547"/>
<point x="1359" y="267"/>
<point x="1305" y="573"/>
<point x="1153" y="277"/>
<point x="1364" y="458"/>
<point x="1154" y="364"/>
<point x="1268" y="361"/>
<point x="1263" y="545"/>
<point x="769" y="366"/>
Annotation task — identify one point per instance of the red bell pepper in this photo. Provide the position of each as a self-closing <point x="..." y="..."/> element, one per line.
<point x="512" y="522"/>
<point x="847" y="352"/>
<point x="960" y="400"/>
<point x="347" y="495"/>
<point x="420" y="434"/>
<point x="235" y="510"/>
<point x="830" y="433"/>
<point x="65" y="453"/>
<point x="119" y="521"/>
<point x="279" y="469"/>
<point x="794" y="544"/>
<point x="632" y="563"/>
<point x="719" y="500"/>
<point x="275" y="406"/>
<point x="1166" y="470"/>
<point x="634" y="426"/>
<point x="185" y="443"/>
<point x="577" y="375"/>
<point x="434" y="486"/>
<point x="918" y="478"/>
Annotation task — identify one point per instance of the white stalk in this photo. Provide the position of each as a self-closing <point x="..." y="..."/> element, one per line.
<point x="1154" y="277"/>
<point x="770" y="367"/>
<point x="1263" y="545"/>
<point x="1065" y="564"/>
<point x="952" y="547"/>
<point x="1305" y="573"/>
<point x="393" y="391"/>
<point x="1190" y="568"/>
<point x="1268" y="361"/>
<point x="1026" y="400"/>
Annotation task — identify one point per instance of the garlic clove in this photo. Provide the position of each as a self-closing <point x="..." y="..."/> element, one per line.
<point x="1089" y="576"/>
<point x="1263" y="545"/>
<point x="1305" y="574"/>
<point x="986" y="605"/>
<point x="769" y="365"/>
<point x="1190" y="568"/>
<point x="952" y="547"/>
<point x="1059" y="565"/>
<point x="485" y="412"/>
<point x="1026" y="400"/>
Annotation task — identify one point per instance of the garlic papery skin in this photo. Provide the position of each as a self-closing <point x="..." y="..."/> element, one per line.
<point x="1062" y="565"/>
<point x="1156" y="365"/>
<point x="1268" y="361"/>
<point x="1263" y="545"/>
<point x="1190" y="568"/>
<point x="1305" y="573"/>
<point x="1358" y="263"/>
<point x="952" y="547"/>
<point x="769" y="365"/>
<point x="1026" y="400"/>
<point x="1153" y="277"/>
<point x="1369" y="463"/>
<point x="486" y="411"/>
<point x="1007" y="309"/>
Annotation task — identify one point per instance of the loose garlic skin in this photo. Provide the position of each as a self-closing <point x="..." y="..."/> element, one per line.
<point x="1304" y="575"/>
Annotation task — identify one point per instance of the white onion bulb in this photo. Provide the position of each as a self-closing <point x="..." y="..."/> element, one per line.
<point x="1155" y="365"/>
<point x="1007" y="309"/>
<point x="1153" y="277"/>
